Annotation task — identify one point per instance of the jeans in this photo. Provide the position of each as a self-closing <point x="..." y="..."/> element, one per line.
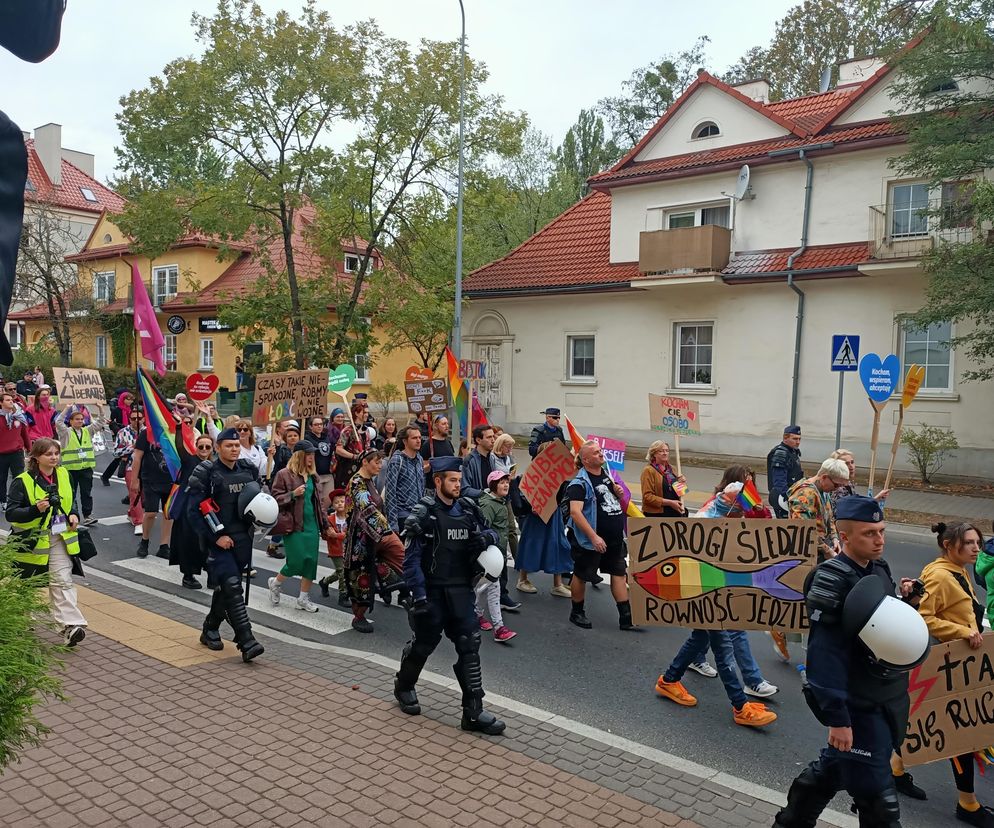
<point x="743" y="657"/>
<point x="724" y="657"/>
<point x="11" y="464"/>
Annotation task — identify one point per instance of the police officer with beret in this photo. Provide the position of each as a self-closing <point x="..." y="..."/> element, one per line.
<point x="225" y="501"/>
<point x="444" y="536"/>
<point x="862" y="644"/>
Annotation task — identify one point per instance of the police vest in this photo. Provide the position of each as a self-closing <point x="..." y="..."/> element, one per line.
<point x="451" y="563"/>
<point x="227" y="485"/>
<point x="78" y="453"/>
<point x="38" y="556"/>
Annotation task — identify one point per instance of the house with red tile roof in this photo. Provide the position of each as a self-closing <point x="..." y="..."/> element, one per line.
<point x="715" y="261"/>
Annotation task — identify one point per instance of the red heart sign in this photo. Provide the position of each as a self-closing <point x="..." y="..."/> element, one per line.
<point x="202" y="387"/>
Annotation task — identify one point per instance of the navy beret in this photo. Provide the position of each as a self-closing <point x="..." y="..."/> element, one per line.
<point x="230" y="433"/>
<point x="551" y="412"/>
<point x="859" y="508"/>
<point x="305" y="445"/>
<point x="445" y="464"/>
<point x="792" y="429"/>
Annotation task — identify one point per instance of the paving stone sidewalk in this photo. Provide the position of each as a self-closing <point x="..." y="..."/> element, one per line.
<point x="306" y="737"/>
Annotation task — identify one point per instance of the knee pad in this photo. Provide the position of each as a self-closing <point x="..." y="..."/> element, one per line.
<point x="468" y="644"/>
<point x="880" y="810"/>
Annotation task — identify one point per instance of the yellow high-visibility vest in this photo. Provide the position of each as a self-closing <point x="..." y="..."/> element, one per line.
<point x="78" y="453"/>
<point x="39" y="555"/>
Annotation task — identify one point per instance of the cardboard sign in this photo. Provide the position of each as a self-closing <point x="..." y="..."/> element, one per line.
<point x="341" y="379"/>
<point x="879" y="377"/>
<point x="952" y="702"/>
<point x="200" y="387"/>
<point x="545" y="474"/>
<point x="430" y="395"/>
<point x="472" y="369"/>
<point x="674" y="415"/>
<point x="298" y="394"/>
<point x="710" y="574"/>
<point x="417" y="374"/>
<point x="79" y="386"/>
<point x="912" y="382"/>
<point x="614" y="451"/>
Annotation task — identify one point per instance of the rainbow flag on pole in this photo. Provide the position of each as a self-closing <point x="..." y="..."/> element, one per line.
<point x="161" y="424"/>
<point x="459" y="392"/>
<point x="577" y="441"/>
<point x="748" y="497"/>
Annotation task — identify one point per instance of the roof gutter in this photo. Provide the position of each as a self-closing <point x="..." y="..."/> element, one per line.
<point x="599" y="287"/>
<point x="735" y="278"/>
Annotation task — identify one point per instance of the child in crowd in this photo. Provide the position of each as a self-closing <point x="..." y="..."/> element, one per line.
<point x="493" y="505"/>
<point x="336" y="545"/>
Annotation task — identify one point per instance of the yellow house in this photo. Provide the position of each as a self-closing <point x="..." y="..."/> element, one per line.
<point x="188" y="285"/>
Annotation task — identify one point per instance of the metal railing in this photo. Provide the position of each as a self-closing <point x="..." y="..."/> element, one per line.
<point x="903" y="233"/>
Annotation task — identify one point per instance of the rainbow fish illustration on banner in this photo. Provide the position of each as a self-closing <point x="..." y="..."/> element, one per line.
<point x="459" y="392"/>
<point x="677" y="579"/>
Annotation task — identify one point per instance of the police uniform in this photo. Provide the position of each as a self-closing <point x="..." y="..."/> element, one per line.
<point x="846" y="688"/>
<point x="783" y="470"/>
<point x="442" y="545"/>
<point x="213" y="480"/>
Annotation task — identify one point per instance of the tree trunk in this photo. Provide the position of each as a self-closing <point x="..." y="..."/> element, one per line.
<point x="296" y="323"/>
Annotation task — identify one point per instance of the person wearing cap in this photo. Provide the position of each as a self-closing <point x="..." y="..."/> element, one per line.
<point x="302" y="523"/>
<point x="27" y="387"/>
<point x="405" y="478"/>
<point x="493" y="505"/>
<point x="783" y="468"/>
<point x="546" y="432"/>
<point x="444" y="536"/>
<point x="863" y="703"/>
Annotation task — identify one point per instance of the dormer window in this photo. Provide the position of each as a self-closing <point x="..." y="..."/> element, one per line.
<point x="948" y="85"/>
<point x="351" y="264"/>
<point x="88" y="194"/>
<point x="706" y="130"/>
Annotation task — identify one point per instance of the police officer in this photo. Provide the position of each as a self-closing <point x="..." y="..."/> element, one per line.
<point x="218" y="511"/>
<point x="783" y="468"/>
<point x="861" y="699"/>
<point x="444" y="535"/>
<point x="546" y="432"/>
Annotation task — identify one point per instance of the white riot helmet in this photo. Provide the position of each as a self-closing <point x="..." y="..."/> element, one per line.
<point x="258" y="506"/>
<point x="893" y="631"/>
<point x="492" y="561"/>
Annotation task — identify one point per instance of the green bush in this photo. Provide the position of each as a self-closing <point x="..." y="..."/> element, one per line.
<point x="928" y="448"/>
<point x="28" y="661"/>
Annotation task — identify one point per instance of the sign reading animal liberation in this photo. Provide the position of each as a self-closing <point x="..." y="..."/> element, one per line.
<point x="429" y="395"/>
<point x="79" y="386"/>
<point x="545" y="474"/>
<point x="674" y="415"/>
<point x="720" y="574"/>
<point x="952" y="703"/>
<point x="298" y="394"/>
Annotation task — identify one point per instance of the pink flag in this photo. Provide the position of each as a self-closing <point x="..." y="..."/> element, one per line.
<point x="152" y="342"/>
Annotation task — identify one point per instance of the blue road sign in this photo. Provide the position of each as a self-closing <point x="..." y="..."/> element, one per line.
<point x="845" y="352"/>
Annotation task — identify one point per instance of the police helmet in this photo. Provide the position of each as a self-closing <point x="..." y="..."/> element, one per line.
<point x="258" y="506"/>
<point x="894" y="632"/>
<point x="492" y="561"/>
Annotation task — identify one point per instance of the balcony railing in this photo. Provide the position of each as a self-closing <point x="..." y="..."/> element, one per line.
<point x="705" y="248"/>
<point x="902" y="233"/>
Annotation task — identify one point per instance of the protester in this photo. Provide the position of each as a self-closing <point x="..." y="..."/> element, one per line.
<point x="421" y="421"/>
<point x="335" y="425"/>
<point x="387" y="437"/>
<point x="120" y="411"/>
<point x="11" y="388"/>
<point x="323" y="457"/>
<point x="337" y="524"/>
<point x="352" y="442"/>
<point x="463" y="449"/>
<point x="239" y="373"/>
<point x="185" y="549"/>
<point x="439" y="445"/>
<point x="150" y="476"/>
<point x="43" y="539"/>
<point x="761" y="511"/>
<point x="38" y="377"/>
<point x="444" y="536"/>
<point x="546" y="432"/>
<point x="849" y="488"/>
<point x="210" y="415"/>
<point x="952" y="612"/>
<point x="27" y="387"/>
<point x="502" y="456"/>
<point x="76" y="432"/>
<point x="984" y="569"/>
<point x="659" y="497"/>
<point x="596" y="533"/>
<point x="404" y="478"/>
<point x="14" y="442"/>
<point x="285" y="437"/>
<point x="478" y="464"/>
<point x="783" y="468"/>
<point x="542" y="547"/>
<point x="493" y="507"/>
<point x="124" y="447"/>
<point x="41" y="416"/>
<point x="302" y="522"/>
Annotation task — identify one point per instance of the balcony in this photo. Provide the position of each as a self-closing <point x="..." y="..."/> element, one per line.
<point x="705" y="248"/>
<point x="911" y="233"/>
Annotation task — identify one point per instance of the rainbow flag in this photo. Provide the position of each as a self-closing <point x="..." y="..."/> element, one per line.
<point x="161" y="424"/>
<point x="749" y="497"/>
<point x="459" y="392"/>
<point x="574" y="436"/>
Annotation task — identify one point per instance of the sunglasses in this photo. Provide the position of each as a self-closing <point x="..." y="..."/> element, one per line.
<point x="204" y="446"/>
<point x="244" y="429"/>
<point x="554" y="417"/>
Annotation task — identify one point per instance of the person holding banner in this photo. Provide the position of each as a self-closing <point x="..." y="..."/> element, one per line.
<point x="14" y="442"/>
<point x="951" y="611"/>
<point x="41" y="416"/>
<point x="76" y="432"/>
<point x="849" y="489"/>
<point x="659" y="497"/>
<point x="352" y="442"/>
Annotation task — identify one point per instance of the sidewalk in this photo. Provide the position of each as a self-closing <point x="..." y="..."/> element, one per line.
<point x="158" y="731"/>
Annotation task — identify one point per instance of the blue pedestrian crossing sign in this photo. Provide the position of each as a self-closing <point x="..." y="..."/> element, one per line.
<point x="845" y="352"/>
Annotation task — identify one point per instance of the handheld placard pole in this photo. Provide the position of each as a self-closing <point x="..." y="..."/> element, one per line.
<point x="340" y="380"/>
<point x="676" y="448"/>
<point x="874" y="439"/>
<point x="912" y="382"/>
<point x="879" y="376"/>
<point x="894" y="445"/>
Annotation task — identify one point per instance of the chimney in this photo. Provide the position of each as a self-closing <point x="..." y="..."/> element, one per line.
<point x="757" y="90"/>
<point x="857" y="70"/>
<point x="83" y="160"/>
<point x="48" y="145"/>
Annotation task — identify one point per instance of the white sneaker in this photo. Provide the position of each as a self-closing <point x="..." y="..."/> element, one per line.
<point x="704" y="669"/>
<point x="304" y="603"/>
<point x="762" y="690"/>
<point x="138" y="529"/>
<point x="275" y="590"/>
<point x="526" y="586"/>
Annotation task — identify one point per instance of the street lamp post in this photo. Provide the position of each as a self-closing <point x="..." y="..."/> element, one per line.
<point x="457" y="317"/>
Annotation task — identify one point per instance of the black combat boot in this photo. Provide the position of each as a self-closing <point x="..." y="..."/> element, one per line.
<point x="808" y="796"/>
<point x="412" y="662"/>
<point x="210" y="637"/>
<point x="470" y="676"/>
<point x="234" y="607"/>
<point x="625" y="616"/>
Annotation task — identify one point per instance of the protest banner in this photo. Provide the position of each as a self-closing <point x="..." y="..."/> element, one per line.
<point x="298" y="394"/>
<point x="677" y="416"/>
<point x="428" y="395"/>
<point x="614" y="451"/>
<point x="720" y="574"/>
<point x="79" y="386"/>
<point x="543" y="477"/>
<point x="417" y="373"/>
<point x="879" y="378"/>
<point x="201" y="387"/>
<point x="952" y="702"/>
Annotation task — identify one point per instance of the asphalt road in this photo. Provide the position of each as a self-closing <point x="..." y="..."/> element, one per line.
<point x="602" y="677"/>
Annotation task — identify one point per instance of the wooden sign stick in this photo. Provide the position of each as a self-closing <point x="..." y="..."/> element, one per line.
<point x="895" y="444"/>
<point x="271" y="433"/>
<point x="877" y="408"/>
<point x="469" y="418"/>
<point x="676" y="447"/>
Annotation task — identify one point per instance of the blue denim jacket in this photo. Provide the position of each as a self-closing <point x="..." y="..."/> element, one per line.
<point x="589" y="510"/>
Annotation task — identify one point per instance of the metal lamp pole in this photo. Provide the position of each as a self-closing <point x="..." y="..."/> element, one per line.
<point x="457" y="318"/>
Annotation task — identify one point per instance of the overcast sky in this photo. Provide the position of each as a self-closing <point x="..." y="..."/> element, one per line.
<point x="549" y="58"/>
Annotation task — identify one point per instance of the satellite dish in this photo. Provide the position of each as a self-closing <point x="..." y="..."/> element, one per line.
<point x="742" y="183"/>
<point x="826" y="79"/>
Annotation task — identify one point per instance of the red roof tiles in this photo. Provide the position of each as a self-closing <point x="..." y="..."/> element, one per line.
<point x="843" y="257"/>
<point x="68" y="194"/>
<point x="810" y="110"/>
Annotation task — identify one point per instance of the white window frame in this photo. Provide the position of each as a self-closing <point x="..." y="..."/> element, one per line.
<point x="706" y="123"/>
<point x="206" y="353"/>
<point x="361" y="364"/>
<point x="89" y="195"/>
<point x="356" y="261"/>
<point x="677" y="329"/>
<point x="100" y="351"/>
<point x="101" y="281"/>
<point x="925" y="391"/>
<point x="657" y="217"/>
<point x="170" y="273"/>
<point x="894" y="185"/>
<point x="572" y="337"/>
<point x="169" y="352"/>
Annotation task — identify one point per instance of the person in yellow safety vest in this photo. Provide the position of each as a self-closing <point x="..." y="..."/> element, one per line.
<point x="78" y="458"/>
<point x="43" y="533"/>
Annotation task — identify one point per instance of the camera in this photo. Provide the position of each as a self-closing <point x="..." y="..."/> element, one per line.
<point x="52" y="495"/>
<point x="917" y="588"/>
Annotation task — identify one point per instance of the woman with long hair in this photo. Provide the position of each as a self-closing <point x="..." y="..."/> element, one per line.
<point x="43" y="533"/>
<point x="386" y="436"/>
<point x="659" y="479"/>
<point x="41" y="415"/>
<point x="352" y="442"/>
<point x="847" y="457"/>
<point x="250" y="448"/>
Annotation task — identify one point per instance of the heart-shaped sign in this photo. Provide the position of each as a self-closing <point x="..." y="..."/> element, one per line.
<point x="912" y="382"/>
<point x="341" y="378"/>
<point x="417" y="374"/>
<point x="200" y="387"/>
<point x="879" y="377"/>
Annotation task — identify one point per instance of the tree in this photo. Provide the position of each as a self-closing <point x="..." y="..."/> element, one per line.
<point x="751" y="66"/>
<point x="584" y="152"/>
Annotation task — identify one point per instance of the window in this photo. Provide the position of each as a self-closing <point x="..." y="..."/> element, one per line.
<point x="88" y="194"/>
<point x="707" y="130"/>
<point x="909" y="210"/>
<point x="677" y="220"/>
<point x="929" y="347"/>
<point x="948" y="85"/>
<point x="101" y="343"/>
<point x="104" y="286"/>
<point x="580" y="350"/>
<point x="351" y="264"/>
<point x="15" y="335"/>
<point x="361" y="362"/>
<point x="957" y="201"/>
<point x="719" y="215"/>
<point x="693" y="344"/>
<point x="169" y="354"/>
<point x="165" y="283"/>
<point x="207" y="353"/>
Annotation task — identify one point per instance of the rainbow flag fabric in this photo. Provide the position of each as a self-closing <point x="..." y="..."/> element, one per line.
<point x="749" y="497"/>
<point x="459" y="392"/>
<point x="161" y="423"/>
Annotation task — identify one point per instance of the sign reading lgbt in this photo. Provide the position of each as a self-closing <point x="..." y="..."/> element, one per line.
<point x="720" y="574"/>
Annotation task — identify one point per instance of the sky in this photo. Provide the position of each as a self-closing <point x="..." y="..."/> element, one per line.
<point x="548" y="58"/>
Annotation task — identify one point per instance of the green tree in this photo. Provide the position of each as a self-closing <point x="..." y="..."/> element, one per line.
<point x="584" y="152"/>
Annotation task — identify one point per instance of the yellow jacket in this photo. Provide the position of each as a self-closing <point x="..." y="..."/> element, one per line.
<point x="947" y="608"/>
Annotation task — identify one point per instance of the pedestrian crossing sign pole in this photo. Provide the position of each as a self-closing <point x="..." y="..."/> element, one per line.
<point x="845" y="358"/>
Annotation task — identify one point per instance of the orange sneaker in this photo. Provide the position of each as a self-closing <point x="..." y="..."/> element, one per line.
<point x="780" y="646"/>
<point x="675" y="691"/>
<point x="753" y="714"/>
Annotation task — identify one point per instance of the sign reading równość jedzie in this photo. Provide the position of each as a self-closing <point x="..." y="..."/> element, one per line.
<point x="298" y="394"/>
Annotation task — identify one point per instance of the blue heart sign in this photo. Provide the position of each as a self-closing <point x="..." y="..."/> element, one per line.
<point x="879" y="377"/>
